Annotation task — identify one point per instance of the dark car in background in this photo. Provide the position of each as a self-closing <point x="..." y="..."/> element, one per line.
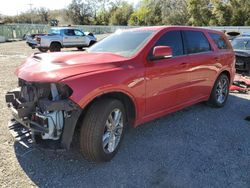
<point x="241" y="46"/>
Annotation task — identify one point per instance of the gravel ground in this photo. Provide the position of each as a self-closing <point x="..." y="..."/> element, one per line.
<point x="196" y="147"/>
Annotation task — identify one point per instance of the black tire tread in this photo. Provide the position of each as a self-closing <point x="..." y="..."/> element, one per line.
<point x="90" y="129"/>
<point x="212" y="100"/>
<point x="55" y="47"/>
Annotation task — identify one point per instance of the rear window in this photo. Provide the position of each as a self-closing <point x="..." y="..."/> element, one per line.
<point x="241" y="44"/>
<point x="54" y="31"/>
<point x="195" y="42"/>
<point x="218" y="40"/>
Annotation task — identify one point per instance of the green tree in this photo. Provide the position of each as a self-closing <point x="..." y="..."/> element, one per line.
<point x="121" y="14"/>
<point x="80" y="12"/>
<point x="141" y="15"/>
<point x="240" y="12"/>
<point x="174" y="12"/>
<point x="199" y="12"/>
<point x="221" y="13"/>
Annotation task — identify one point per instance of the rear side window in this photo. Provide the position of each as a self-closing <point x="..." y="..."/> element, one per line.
<point x="218" y="40"/>
<point x="172" y="39"/>
<point x="195" y="42"/>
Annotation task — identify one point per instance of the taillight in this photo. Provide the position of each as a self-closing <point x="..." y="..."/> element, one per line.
<point x="38" y="40"/>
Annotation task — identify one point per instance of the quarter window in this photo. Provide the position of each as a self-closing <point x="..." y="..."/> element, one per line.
<point x="218" y="40"/>
<point x="172" y="39"/>
<point x="195" y="42"/>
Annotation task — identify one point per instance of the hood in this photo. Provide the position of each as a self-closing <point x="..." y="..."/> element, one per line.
<point x="53" y="67"/>
<point x="242" y="53"/>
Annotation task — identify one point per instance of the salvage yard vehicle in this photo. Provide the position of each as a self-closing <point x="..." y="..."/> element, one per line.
<point x="241" y="46"/>
<point x="129" y="78"/>
<point x="61" y="37"/>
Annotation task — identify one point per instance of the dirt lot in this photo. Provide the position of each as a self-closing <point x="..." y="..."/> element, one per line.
<point x="196" y="147"/>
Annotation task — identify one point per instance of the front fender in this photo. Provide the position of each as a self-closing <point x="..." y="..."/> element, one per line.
<point x="87" y="87"/>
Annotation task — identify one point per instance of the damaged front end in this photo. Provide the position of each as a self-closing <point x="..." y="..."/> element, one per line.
<point x="45" y="111"/>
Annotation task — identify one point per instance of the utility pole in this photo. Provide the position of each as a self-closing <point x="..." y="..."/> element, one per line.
<point x="30" y="5"/>
<point x="17" y="17"/>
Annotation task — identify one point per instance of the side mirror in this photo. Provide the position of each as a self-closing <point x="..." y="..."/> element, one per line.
<point x="162" y="52"/>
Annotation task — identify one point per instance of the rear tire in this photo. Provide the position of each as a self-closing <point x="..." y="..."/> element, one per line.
<point x="55" y="47"/>
<point x="102" y="130"/>
<point x="219" y="94"/>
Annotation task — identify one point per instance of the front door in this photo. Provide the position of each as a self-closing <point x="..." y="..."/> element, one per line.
<point x="167" y="79"/>
<point x="80" y="38"/>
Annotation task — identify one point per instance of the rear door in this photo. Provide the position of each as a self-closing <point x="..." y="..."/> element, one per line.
<point x="167" y="78"/>
<point x="201" y="62"/>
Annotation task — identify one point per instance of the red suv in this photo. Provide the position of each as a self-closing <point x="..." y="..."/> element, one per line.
<point x="129" y="78"/>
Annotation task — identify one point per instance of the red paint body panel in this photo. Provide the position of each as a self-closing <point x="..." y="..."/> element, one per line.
<point x="54" y="67"/>
<point x="156" y="88"/>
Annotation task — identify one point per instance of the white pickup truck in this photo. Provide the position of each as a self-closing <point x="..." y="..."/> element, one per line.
<point x="61" y="37"/>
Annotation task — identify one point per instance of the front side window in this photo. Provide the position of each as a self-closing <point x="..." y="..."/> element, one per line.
<point x="124" y="43"/>
<point x="218" y="40"/>
<point x="195" y="42"/>
<point x="172" y="39"/>
<point x="78" y="33"/>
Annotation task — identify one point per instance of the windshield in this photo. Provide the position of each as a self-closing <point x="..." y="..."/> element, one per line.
<point x="241" y="44"/>
<point x="54" y="31"/>
<point x="124" y="43"/>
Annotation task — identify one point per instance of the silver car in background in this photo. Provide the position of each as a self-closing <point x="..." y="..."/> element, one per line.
<point x="61" y="37"/>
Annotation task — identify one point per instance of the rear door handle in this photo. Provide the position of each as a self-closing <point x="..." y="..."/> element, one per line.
<point x="216" y="59"/>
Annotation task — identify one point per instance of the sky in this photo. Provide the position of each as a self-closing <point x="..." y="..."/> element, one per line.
<point x="14" y="7"/>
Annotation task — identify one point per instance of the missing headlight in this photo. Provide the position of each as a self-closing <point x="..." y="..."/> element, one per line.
<point x="64" y="91"/>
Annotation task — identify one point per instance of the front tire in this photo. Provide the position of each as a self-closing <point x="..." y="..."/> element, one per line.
<point x="102" y="130"/>
<point x="219" y="94"/>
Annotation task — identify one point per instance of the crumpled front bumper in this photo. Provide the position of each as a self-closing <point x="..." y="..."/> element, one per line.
<point x="27" y="122"/>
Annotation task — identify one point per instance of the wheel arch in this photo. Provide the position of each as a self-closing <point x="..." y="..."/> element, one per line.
<point x="56" y="42"/>
<point x="227" y="73"/>
<point x="126" y="100"/>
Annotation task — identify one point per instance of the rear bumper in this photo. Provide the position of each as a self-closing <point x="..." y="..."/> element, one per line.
<point x="35" y="45"/>
<point x="32" y="45"/>
<point x="27" y="122"/>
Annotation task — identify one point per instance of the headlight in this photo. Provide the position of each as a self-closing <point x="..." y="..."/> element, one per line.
<point x="32" y="91"/>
